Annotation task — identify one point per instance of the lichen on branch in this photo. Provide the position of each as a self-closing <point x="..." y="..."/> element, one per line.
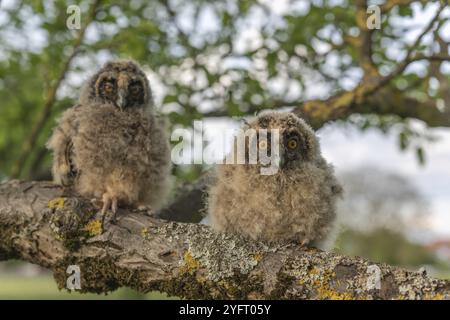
<point x="47" y="225"/>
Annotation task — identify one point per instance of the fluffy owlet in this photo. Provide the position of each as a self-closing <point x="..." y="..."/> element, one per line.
<point x="296" y="203"/>
<point x="111" y="145"/>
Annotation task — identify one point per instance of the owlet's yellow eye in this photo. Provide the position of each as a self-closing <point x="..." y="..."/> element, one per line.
<point x="262" y="144"/>
<point x="292" y="144"/>
<point x="108" y="88"/>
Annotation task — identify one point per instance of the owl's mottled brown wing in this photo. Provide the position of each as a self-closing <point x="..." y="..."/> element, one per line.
<point x="64" y="169"/>
<point x="72" y="173"/>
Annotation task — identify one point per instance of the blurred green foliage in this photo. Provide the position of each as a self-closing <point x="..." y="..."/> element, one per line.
<point x="43" y="287"/>
<point x="22" y="280"/>
<point x="388" y="246"/>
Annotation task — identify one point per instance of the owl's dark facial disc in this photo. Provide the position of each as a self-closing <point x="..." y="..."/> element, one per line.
<point x="107" y="89"/>
<point x="135" y="93"/>
<point x="294" y="147"/>
<point x="122" y="90"/>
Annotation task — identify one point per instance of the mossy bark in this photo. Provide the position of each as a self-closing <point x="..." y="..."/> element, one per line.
<point x="46" y="225"/>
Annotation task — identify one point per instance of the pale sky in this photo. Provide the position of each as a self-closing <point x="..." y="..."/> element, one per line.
<point x="349" y="148"/>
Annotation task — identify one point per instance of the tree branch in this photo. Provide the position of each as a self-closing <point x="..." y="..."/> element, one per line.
<point x="44" y="224"/>
<point x="386" y="101"/>
<point x="374" y="86"/>
<point x="368" y="92"/>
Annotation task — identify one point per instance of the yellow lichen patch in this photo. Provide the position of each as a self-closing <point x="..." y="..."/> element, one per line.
<point x="190" y="263"/>
<point x="314" y="272"/>
<point x="430" y="296"/>
<point x="144" y="233"/>
<point x="57" y="203"/>
<point x="321" y="280"/>
<point x="94" y="228"/>
<point x="258" y="257"/>
<point x="325" y="292"/>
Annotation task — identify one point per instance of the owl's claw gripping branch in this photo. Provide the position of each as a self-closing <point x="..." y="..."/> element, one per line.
<point x="109" y="202"/>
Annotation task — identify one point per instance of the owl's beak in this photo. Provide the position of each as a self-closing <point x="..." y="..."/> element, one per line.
<point x="121" y="100"/>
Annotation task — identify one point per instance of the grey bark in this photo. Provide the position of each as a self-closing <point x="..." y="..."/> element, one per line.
<point x="49" y="226"/>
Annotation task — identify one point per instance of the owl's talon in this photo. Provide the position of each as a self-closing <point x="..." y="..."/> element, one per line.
<point x="106" y="204"/>
<point x="107" y="220"/>
<point x="110" y="203"/>
<point x="304" y="243"/>
<point x="146" y="209"/>
<point x="114" y="205"/>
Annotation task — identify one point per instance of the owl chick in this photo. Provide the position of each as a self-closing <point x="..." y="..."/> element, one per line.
<point x="111" y="145"/>
<point x="295" y="203"/>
